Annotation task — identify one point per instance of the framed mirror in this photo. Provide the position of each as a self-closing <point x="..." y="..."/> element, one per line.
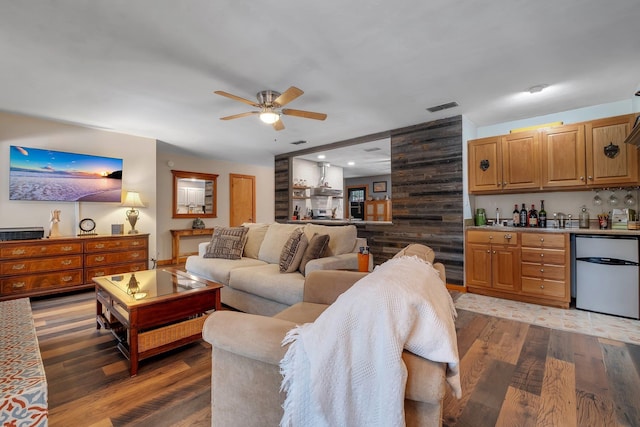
<point x="194" y="195"/>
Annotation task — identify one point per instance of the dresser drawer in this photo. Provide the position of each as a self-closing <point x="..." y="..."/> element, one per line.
<point x="40" y="249"/>
<point x="544" y="240"/>
<point x="547" y="272"/>
<point x="115" y="244"/>
<point x="114" y="269"/>
<point x="547" y="288"/>
<point x="26" y="266"/>
<point x="543" y="256"/>
<point x="35" y="282"/>
<point x="93" y="260"/>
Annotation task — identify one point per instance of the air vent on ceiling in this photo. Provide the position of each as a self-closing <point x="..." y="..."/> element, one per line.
<point x="442" y="107"/>
<point x="369" y="150"/>
<point x="299" y="142"/>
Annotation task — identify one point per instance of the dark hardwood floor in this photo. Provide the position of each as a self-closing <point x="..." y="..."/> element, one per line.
<point x="513" y="374"/>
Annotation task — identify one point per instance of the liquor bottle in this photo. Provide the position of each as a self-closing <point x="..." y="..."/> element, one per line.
<point x="533" y="217"/>
<point x="523" y="216"/>
<point x="516" y="215"/>
<point x="542" y="216"/>
<point x="497" y="216"/>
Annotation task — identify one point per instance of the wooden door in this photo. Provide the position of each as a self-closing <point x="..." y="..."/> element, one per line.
<point x="616" y="168"/>
<point x="521" y="161"/>
<point x="477" y="264"/>
<point x="505" y="267"/>
<point x="242" y="199"/>
<point x="485" y="165"/>
<point x="563" y="156"/>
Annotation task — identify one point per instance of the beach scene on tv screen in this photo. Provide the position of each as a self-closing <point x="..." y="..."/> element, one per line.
<point x="37" y="174"/>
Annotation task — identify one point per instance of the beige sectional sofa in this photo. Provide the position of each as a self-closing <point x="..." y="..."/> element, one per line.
<point x="254" y="283"/>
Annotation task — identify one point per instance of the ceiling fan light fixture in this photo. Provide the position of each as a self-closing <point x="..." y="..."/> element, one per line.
<point x="269" y="116"/>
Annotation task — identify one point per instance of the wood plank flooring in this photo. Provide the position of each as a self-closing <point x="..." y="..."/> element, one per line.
<point x="513" y="374"/>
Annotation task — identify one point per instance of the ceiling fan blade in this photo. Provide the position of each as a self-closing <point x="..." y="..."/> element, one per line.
<point x="278" y="125"/>
<point x="237" y="98"/>
<point x="237" y="116"/>
<point x="304" y="114"/>
<point x="288" y="96"/>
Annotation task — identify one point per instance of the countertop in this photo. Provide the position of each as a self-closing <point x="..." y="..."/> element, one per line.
<point x="570" y="230"/>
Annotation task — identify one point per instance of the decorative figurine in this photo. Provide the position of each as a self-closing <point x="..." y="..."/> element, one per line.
<point x="197" y="223"/>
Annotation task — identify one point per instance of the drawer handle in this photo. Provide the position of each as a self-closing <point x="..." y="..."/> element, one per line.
<point x="99" y="273"/>
<point x="18" y="252"/>
<point x="99" y="258"/>
<point x="67" y="248"/>
<point x="99" y="245"/>
<point x="135" y="269"/>
<point x="507" y="236"/>
<point x="18" y="285"/>
<point x="135" y="255"/>
<point x="66" y="262"/>
<point x="135" y="243"/>
<point x="18" y="267"/>
<point x="67" y="278"/>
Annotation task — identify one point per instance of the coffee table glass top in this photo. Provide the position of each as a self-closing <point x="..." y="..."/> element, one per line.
<point x="149" y="284"/>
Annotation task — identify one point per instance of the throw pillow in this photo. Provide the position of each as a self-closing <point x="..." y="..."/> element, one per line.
<point x="315" y="249"/>
<point x="292" y="251"/>
<point x="255" y="236"/>
<point x="227" y="243"/>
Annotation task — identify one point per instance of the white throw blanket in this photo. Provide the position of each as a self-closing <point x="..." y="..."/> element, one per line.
<point x="346" y="368"/>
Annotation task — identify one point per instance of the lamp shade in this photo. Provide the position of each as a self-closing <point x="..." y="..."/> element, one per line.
<point x="269" y="117"/>
<point x="133" y="200"/>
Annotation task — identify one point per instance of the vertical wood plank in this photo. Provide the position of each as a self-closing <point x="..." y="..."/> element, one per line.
<point x="520" y="409"/>
<point x="558" y="396"/>
<point x="624" y="382"/>
<point x="529" y="371"/>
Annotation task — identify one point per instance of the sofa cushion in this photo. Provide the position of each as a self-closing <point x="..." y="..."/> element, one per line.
<point x="266" y="281"/>
<point x="227" y="242"/>
<point x="293" y="251"/>
<point x="255" y="236"/>
<point x="218" y="269"/>
<point x="342" y="238"/>
<point x="416" y="249"/>
<point x="274" y="240"/>
<point x="315" y="249"/>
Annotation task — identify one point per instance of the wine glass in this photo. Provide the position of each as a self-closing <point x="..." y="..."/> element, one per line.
<point x="613" y="199"/>
<point x="629" y="200"/>
<point x="597" y="200"/>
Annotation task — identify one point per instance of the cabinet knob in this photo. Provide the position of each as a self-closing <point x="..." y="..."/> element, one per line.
<point x="582" y="178"/>
<point x="494" y="252"/>
<point x="541" y="255"/>
<point x="590" y="178"/>
<point x="490" y="237"/>
<point x="541" y="286"/>
<point x="504" y="184"/>
<point x="542" y="270"/>
<point x="542" y="239"/>
<point x="488" y="251"/>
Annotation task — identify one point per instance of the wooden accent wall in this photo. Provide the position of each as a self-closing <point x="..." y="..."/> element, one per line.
<point x="426" y="180"/>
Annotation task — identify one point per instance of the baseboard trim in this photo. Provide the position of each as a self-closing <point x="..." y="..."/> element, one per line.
<point x="459" y="288"/>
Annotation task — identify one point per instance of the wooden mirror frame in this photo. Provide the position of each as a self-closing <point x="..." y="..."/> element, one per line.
<point x="211" y="191"/>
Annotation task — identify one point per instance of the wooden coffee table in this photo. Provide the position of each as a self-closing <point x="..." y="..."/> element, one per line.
<point x="153" y="311"/>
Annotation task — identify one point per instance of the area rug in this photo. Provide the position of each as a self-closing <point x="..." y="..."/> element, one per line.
<point x="584" y="322"/>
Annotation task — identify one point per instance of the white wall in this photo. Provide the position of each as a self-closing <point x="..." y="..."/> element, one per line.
<point x="265" y="190"/>
<point x="139" y="170"/>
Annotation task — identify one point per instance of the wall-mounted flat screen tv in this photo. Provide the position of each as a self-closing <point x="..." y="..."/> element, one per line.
<point x="37" y="174"/>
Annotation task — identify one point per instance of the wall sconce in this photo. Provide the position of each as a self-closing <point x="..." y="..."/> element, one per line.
<point x="132" y="200"/>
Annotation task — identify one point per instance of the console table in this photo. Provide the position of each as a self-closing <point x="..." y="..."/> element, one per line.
<point x="176" y="256"/>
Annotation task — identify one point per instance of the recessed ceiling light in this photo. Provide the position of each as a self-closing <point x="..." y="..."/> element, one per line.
<point x="321" y="156"/>
<point x="537" y="88"/>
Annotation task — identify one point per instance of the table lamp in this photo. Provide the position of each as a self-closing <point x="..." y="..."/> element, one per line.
<point x="132" y="200"/>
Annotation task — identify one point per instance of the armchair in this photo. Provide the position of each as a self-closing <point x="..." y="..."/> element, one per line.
<point x="246" y="352"/>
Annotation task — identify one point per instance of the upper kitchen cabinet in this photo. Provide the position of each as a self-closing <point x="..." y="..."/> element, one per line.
<point x="609" y="160"/>
<point x="504" y="163"/>
<point x="485" y="165"/>
<point x="563" y="156"/>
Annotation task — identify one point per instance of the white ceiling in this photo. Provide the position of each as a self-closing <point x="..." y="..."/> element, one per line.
<point x="149" y="67"/>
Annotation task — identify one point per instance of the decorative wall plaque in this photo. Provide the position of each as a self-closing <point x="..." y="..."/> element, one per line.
<point x="484" y="164"/>
<point x="611" y="150"/>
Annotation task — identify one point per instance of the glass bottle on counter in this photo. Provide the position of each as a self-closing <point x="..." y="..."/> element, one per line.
<point x="516" y="215"/>
<point x="533" y="216"/>
<point x="542" y="216"/>
<point x="524" y="217"/>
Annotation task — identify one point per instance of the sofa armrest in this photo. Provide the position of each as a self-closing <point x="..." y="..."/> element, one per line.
<point x="249" y="335"/>
<point x="325" y="286"/>
<point x="336" y="262"/>
<point x="202" y="248"/>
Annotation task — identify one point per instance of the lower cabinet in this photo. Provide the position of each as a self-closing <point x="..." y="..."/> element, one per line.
<point x="524" y="266"/>
<point x="47" y="266"/>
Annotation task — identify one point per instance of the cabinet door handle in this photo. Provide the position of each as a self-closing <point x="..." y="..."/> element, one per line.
<point x="18" y="252"/>
<point x="99" y="258"/>
<point x="18" y="285"/>
<point x="18" y="267"/>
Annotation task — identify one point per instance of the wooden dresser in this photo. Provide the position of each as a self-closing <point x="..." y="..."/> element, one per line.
<point x="46" y="266"/>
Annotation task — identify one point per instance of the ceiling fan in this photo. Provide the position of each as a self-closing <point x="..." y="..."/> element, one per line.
<point x="270" y="104"/>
